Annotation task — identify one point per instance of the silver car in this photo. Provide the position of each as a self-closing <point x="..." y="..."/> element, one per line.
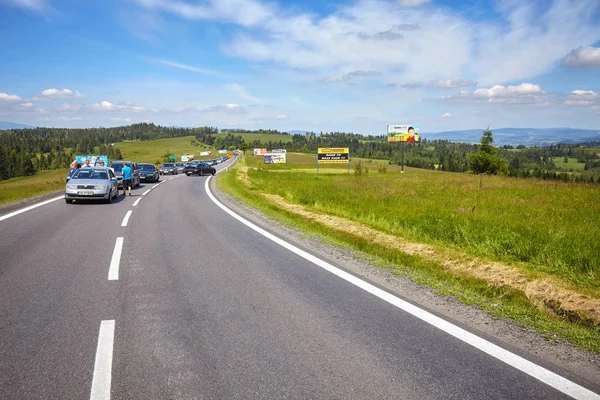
<point x="92" y="183"/>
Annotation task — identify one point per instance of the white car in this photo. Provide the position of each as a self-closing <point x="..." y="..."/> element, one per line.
<point x="92" y="183"/>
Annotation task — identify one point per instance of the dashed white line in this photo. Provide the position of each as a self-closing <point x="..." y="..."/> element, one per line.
<point x="135" y="203"/>
<point x="126" y="218"/>
<point x="43" y="203"/>
<point x="542" y="374"/>
<point x="156" y="185"/>
<point x="113" y="270"/>
<point x="146" y="192"/>
<point x="101" y="380"/>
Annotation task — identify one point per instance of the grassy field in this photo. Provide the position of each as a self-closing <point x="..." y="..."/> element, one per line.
<point x="571" y="164"/>
<point x="24" y="187"/>
<point x="264" y="138"/>
<point x="521" y="249"/>
<point x="153" y="151"/>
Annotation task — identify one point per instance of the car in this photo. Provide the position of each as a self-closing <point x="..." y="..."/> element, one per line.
<point x="117" y="167"/>
<point x="212" y="162"/>
<point x="199" y="168"/>
<point x="148" y="173"/>
<point x="180" y="166"/>
<point x="92" y="183"/>
<point x="168" y="169"/>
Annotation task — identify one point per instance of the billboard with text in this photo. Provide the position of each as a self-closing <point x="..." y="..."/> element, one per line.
<point x="403" y="133"/>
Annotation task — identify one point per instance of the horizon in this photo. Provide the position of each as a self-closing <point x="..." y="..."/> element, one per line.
<point x="349" y="66"/>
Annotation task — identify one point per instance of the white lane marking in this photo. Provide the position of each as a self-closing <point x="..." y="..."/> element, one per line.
<point x="146" y="192"/>
<point x="43" y="203"/>
<point x="103" y="365"/>
<point x="135" y="203"/>
<point x="113" y="270"/>
<point x="548" y="377"/>
<point x="126" y="218"/>
<point x="156" y="185"/>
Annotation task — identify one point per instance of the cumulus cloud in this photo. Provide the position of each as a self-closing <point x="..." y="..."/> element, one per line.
<point x="108" y="106"/>
<point x="5" y="97"/>
<point x="116" y="119"/>
<point x="583" y="57"/>
<point x="525" y="93"/>
<point x="61" y="94"/>
<point x="582" y="98"/>
<point x="446" y="115"/>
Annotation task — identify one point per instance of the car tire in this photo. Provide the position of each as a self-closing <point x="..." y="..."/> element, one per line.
<point x="68" y="201"/>
<point x="109" y="198"/>
<point x="201" y="173"/>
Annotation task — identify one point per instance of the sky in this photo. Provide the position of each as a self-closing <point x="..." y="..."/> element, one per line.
<point x="313" y="65"/>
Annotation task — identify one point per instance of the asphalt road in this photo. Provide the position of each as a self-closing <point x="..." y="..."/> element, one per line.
<point x="202" y="306"/>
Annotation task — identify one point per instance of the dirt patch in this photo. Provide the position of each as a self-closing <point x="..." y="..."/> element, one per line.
<point x="548" y="294"/>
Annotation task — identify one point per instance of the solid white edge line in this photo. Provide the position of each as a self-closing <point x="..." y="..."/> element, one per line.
<point x="113" y="270"/>
<point x="542" y="374"/>
<point x="135" y="203"/>
<point x="146" y="192"/>
<point x="43" y="203"/>
<point x="126" y="218"/>
<point x="101" y="380"/>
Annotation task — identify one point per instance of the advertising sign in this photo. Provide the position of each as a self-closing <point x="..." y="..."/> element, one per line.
<point x="94" y="160"/>
<point x="333" y="155"/>
<point x="205" y="153"/>
<point x="403" y="133"/>
<point x="260" y="152"/>
<point x="279" y="151"/>
<point x="187" y="157"/>
<point x="274" y="158"/>
<point x="223" y="151"/>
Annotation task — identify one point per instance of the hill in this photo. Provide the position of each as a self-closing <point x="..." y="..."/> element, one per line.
<point x="516" y="136"/>
<point x="11" y="125"/>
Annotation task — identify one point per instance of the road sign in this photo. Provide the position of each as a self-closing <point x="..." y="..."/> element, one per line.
<point x="172" y="158"/>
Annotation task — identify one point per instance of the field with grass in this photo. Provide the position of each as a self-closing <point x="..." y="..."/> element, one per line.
<point x="264" y="138"/>
<point x="570" y="165"/>
<point x="28" y="186"/>
<point x="153" y="151"/>
<point x="519" y="248"/>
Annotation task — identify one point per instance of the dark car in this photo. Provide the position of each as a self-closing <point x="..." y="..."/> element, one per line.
<point x="148" y="173"/>
<point x="199" y="168"/>
<point x="169" y="169"/>
<point x="117" y="167"/>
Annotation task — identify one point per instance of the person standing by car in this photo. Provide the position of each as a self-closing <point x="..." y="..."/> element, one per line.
<point x="126" y="170"/>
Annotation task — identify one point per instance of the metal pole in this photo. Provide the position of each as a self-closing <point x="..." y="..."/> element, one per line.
<point x="402" y="158"/>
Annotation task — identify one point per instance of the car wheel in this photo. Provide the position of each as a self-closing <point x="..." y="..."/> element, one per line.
<point x="201" y="173"/>
<point x="108" y="199"/>
<point x="68" y="201"/>
<point x="213" y="173"/>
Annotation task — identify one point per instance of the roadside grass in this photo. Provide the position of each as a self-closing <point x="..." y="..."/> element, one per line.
<point x="27" y="186"/>
<point x="538" y="227"/>
<point x="153" y="151"/>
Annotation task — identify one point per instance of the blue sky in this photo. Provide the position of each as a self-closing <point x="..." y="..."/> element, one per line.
<point x="353" y="66"/>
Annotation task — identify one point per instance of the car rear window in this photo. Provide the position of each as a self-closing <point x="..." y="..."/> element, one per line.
<point x="88" y="173"/>
<point x="147" y="167"/>
<point x="168" y="165"/>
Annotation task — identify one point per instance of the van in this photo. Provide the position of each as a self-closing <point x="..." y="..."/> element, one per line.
<point x="117" y="166"/>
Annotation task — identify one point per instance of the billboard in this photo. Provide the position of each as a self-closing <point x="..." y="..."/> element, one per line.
<point x="275" y="158"/>
<point x="94" y="160"/>
<point x="223" y="151"/>
<point x="260" y="152"/>
<point x="187" y="157"/>
<point x="403" y="133"/>
<point x="333" y="155"/>
<point x="205" y="153"/>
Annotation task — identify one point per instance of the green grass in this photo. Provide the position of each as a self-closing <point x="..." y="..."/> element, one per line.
<point x="543" y="228"/>
<point x="151" y="151"/>
<point x="571" y="164"/>
<point x="24" y="187"/>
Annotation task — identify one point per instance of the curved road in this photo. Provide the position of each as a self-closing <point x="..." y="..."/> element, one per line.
<point x="200" y="305"/>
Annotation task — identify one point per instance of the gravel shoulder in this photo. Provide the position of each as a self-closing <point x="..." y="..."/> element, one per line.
<point x="578" y="365"/>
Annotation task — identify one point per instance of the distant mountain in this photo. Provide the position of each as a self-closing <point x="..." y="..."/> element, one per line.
<point x="11" y="125"/>
<point x="516" y="136"/>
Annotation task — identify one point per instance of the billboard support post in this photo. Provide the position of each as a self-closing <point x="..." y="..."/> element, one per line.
<point x="402" y="171"/>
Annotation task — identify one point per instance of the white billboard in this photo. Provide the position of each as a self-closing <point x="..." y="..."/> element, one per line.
<point x="403" y="133"/>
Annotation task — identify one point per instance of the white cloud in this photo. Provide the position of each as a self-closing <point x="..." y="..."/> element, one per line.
<point x="349" y="75"/>
<point x="525" y="93"/>
<point x="69" y="107"/>
<point x="121" y="119"/>
<point x="583" y="57"/>
<point x="102" y="106"/>
<point x="243" y="12"/>
<point x="446" y="115"/>
<point x="61" y="94"/>
<point x="452" y="83"/>
<point x="9" y="97"/>
<point x="69" y="119"/>
<point x="281" y="116"/>
<point x="26" y="105"/>
<point x="35" y="5"/>
<point x="243" y="94"/>
<point x="412" y="3"/>
<point x="582" y="98"/>
<point x="190" y="68"/>
<point x="596" y="108"/>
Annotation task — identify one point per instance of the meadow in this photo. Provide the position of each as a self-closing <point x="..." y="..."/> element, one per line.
<point x="153" y="151"/>
<point x="514" y="243"/>
<point x="28" y="186"/>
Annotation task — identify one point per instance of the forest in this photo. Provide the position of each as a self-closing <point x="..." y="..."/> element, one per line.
<point x="23" y="152"/>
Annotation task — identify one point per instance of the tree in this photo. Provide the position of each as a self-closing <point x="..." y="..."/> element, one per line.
<point x="485" y="160"/>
